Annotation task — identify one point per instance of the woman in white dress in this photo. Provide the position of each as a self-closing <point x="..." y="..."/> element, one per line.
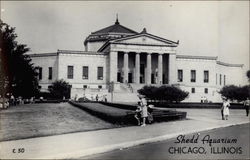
<point x="226" y="105"/>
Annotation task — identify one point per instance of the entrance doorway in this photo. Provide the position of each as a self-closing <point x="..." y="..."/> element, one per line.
<point x="142" y="73"/>
<point x="152" y="78"/>
<point x="119" y="78"/>
<point x="130" y="78"/>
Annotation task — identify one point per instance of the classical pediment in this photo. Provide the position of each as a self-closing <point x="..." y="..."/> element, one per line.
<point x="141" y="39"/>
<point x="144" y="39"/>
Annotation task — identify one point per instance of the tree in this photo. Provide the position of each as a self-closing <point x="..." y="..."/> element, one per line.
<point x="60" y="89"/>
<point x="18" y="75"/>
<point x="248" y="75"/>
<point x="233" y="92"/>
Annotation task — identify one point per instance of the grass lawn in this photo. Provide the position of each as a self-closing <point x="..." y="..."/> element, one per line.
<point x="34" y="120"/>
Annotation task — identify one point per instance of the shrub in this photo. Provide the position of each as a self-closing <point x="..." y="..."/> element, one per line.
<point x="167" y="93"/>
<point x="60" y="89"/>
<point x="149" y="91"/>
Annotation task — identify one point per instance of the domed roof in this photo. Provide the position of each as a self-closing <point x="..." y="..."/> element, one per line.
<point x="116" y="28"/>
<point x="109" y="33"/>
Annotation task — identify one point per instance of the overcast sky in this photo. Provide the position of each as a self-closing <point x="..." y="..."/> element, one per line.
<point x="207" y="28"/>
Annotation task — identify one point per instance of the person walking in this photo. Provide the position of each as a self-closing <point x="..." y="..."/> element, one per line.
<point x="226" y="105"/>
<point x="221" y="111"/>
<point x="246" y="105"/>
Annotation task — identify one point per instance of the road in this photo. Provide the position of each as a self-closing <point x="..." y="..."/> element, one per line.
<point x="238" y="148"/>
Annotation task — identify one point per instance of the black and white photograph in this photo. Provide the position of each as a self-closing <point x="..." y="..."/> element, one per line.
<point x="124" y="80"/>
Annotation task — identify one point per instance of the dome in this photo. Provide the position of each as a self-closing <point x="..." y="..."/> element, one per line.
<point x="109" y="33"/>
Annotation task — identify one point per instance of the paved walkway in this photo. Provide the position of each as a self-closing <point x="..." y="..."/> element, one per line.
<point x="86" y="143"/>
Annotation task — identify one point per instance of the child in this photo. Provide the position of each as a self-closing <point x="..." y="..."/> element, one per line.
<point x="144" y="114"/>
<point x="138" y="113"/>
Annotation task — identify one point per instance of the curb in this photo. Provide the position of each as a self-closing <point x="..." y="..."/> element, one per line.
<point x="107" y="148"/>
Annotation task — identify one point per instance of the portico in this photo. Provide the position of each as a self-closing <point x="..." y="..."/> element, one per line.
<point x="142" y="59"/>
<point x="143" y="67"/>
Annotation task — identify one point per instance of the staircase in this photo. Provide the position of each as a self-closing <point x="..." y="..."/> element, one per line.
<point x="129" y="87"/>
<point x="126" y="88"/>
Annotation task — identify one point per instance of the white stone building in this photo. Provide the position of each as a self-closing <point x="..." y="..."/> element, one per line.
<point x="131" y="60"/>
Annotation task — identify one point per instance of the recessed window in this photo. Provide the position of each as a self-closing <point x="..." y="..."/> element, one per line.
<point x="193" y="90"/>
<point x="180" y="75"/>
<point x="206" y="90"/>
<point x="100" y="86"/>
<point x="39" y="87"/>
<point x="220" y="78"/>
<point x="85" y="86"/>
<point x="100" y="73"/>
<point x="206" y="76"/>
<point x="193" y="75"/>
<point x="70" y="72"/>
<point x="50" y="73"/>
<point x="224" y="80"/>
<point x="40" y="73"/>
<point x="85" y="72"/>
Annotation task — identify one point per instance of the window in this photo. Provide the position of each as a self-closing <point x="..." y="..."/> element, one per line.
<point x="193" y="90"/>
<point x="100" y="73"/>
<point x="193" y="75"/>
<point x="39" y="87"/>
<point x="40" y="73"/>
<point x="224" y="80"/>
<point x="85" y="72"/>
<point x="49" y="87"/>
<point x="206" y="76"/>
<point x="220" y="79"/>
<point x="206" y="90"/>
<point x="100" y="86"/>
<point x="50" y="72"/>
<point x="180" y="75"/>
<point x="70" y="72"/>
<point x="85" y="86"/>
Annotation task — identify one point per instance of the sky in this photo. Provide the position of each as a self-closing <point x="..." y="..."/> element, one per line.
<point x="203" y="28"/>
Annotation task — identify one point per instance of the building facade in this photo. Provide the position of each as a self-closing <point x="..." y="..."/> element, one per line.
<point x="129" y="60"/>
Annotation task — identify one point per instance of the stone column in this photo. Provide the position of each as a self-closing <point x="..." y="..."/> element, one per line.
<point x="172" y="69"/>
<point x="137" y="68"/>
<point x="113" y="65"/>
<point x="149" y="68"/>
<point x="159" y="69"/>
<point x="125" y="67"/>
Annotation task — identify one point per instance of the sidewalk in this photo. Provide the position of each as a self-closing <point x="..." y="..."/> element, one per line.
<point x="86" y="143"/>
